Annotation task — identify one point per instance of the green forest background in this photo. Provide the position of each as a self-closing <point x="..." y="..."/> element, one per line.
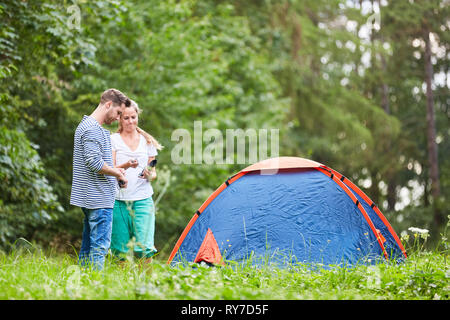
<point x="360" y="86"/>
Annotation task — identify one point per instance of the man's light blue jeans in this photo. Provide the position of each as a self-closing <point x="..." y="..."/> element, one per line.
<point x="96" y="237"/>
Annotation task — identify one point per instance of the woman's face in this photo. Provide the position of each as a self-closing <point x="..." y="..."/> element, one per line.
<point x="129" y="119"/>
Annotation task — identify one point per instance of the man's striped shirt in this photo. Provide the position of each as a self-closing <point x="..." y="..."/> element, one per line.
<point x="92" y="148"/>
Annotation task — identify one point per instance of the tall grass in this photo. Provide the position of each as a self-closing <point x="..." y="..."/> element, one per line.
<point x="31" y="273"/>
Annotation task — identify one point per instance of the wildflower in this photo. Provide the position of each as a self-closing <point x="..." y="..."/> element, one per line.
<point x="424" y="233"/>
<point x="405" y="236"/>
<point x="417" y="230"/>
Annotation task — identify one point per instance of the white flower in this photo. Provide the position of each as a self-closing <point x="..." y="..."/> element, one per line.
<point x="424" y="233"/>
<point x="418" y="230"/>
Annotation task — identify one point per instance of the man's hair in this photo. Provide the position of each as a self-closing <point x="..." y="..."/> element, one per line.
<point x="116" y="97"/>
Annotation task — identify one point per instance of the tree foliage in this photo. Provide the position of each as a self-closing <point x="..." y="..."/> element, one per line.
<point x="343" y="88"/>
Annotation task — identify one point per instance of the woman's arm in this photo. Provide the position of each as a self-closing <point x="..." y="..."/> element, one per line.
<point x="150" y="175"/>
<point x="130" y="163"/>
<point x="153" y="170"/>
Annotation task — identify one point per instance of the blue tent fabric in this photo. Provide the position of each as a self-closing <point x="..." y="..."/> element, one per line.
<point x="292" y="216"/>
<point x="391" y="247"/>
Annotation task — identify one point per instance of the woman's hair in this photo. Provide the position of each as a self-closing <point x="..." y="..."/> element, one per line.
<point x="148" y="137"/>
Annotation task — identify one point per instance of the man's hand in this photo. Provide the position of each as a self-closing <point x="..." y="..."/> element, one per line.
<point x="120" y="175"/>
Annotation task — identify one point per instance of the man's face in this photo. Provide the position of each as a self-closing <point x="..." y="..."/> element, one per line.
<point x="114" y="113"/>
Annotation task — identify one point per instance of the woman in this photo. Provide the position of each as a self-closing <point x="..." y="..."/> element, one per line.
<point x="134" y="211"/>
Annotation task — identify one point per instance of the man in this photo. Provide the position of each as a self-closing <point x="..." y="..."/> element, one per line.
<point x="94" y="177"/>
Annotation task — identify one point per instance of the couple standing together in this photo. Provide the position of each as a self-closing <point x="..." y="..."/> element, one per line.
<point x="114" y="214"/>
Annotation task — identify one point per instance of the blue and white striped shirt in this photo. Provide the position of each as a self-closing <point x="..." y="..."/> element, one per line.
<point x="92" y="148"/>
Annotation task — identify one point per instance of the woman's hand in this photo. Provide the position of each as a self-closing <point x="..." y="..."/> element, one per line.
<point x="150" y="175"/>
<point x="132" y="163"/>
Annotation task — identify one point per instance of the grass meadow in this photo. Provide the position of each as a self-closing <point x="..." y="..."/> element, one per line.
<point x="28" y="272"/>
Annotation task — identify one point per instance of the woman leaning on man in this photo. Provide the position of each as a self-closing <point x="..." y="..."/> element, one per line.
<point x="134" y="211"/>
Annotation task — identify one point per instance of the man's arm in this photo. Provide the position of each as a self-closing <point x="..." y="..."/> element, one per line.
<point x="110" y="171"/>
<point x="116" y="172"/>
<point x="94" y="160"/>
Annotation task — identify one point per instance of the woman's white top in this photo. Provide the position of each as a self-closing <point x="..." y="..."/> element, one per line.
<point x="137" y="188"/>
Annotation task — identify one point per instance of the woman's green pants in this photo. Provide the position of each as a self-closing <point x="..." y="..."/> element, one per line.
<point x="133" y="228"/>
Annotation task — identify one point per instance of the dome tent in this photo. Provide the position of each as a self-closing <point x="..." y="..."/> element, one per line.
<point x="288" y="210"/>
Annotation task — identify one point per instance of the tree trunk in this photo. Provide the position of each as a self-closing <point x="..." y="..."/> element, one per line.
<point x="392" y="195"/>
<point x="426" y="188"/>
<point x="374" y="191"/>
<point x="431" y="131"/>
<point x="384" y="89"/>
